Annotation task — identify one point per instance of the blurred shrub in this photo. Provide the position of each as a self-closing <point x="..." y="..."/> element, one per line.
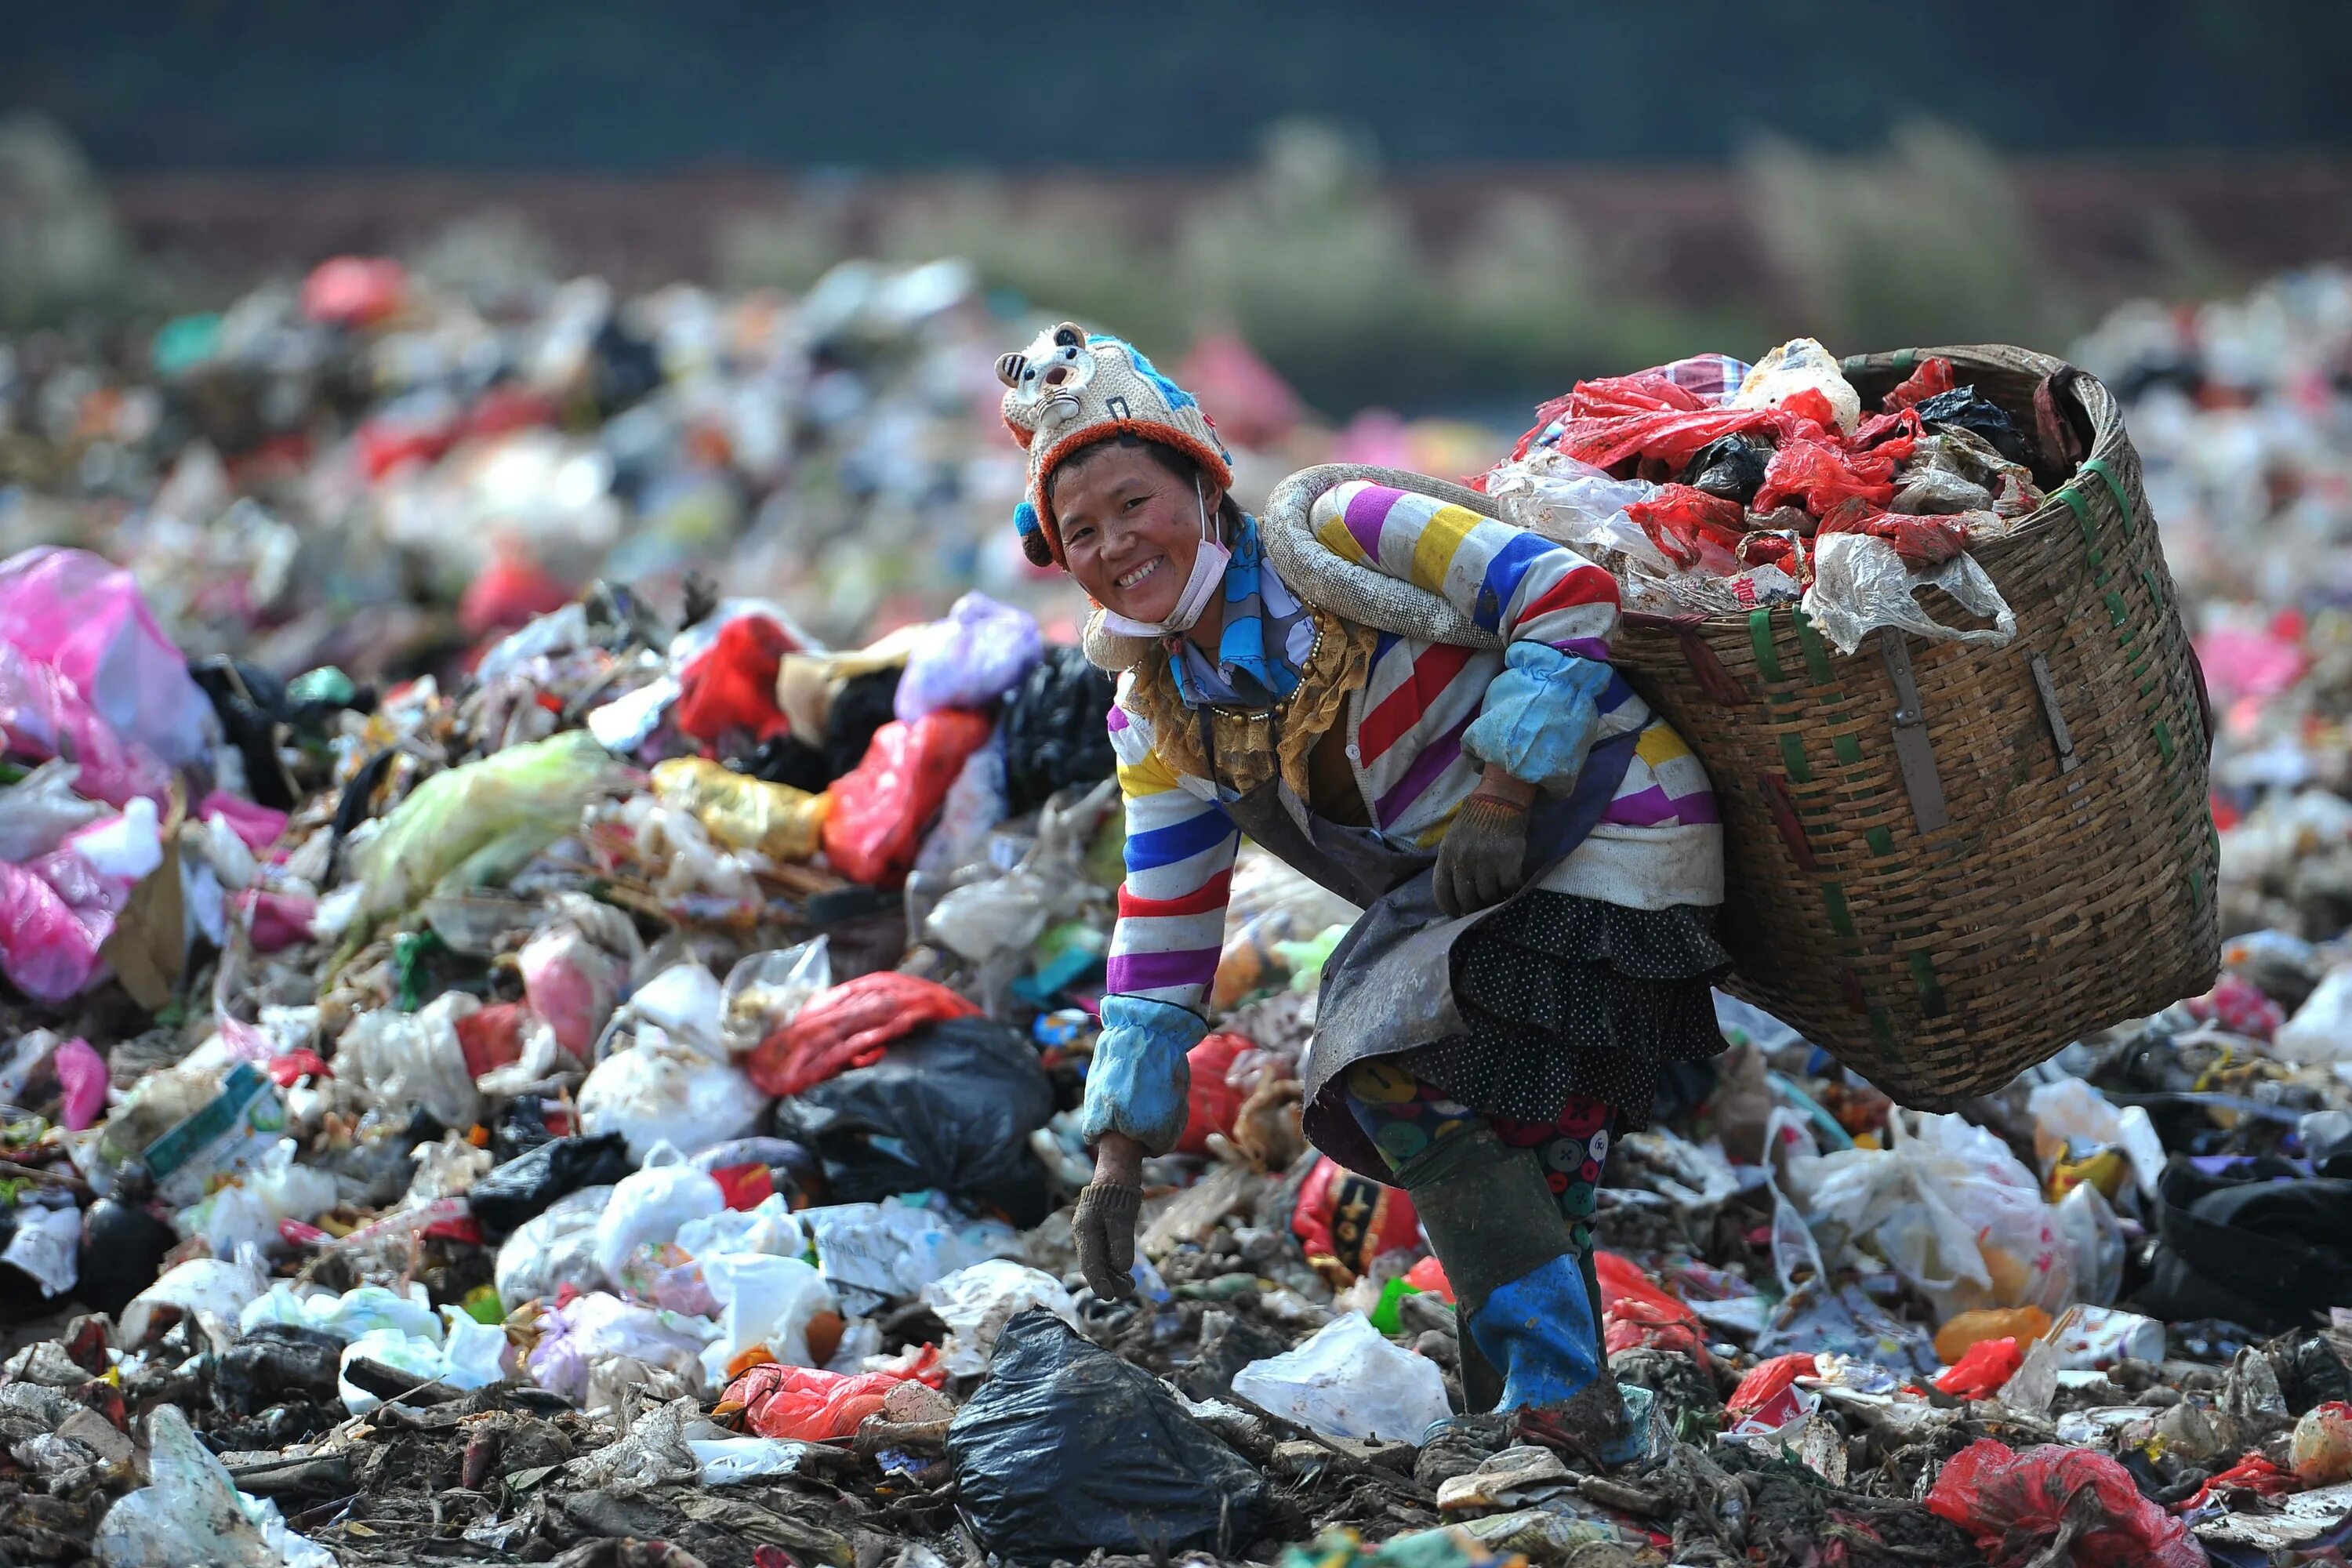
<point x="1927" y="242"/>
<point x="61" y="251"/>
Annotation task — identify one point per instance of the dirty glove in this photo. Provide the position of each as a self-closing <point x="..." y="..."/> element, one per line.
<point x="1482" y="860"/>
<point x="1138" y="1083"/>
<point x="1104" y="1229"/>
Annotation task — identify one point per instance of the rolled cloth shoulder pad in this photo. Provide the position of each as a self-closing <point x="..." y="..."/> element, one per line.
<point x="1329" y="582"/>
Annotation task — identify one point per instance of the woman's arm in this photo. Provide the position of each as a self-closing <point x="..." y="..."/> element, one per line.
<point x="1553" y="609"/>
<point x="1163" y="951"/>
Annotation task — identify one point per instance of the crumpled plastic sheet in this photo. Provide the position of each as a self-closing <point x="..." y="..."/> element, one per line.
<point x="1860" y="584"/>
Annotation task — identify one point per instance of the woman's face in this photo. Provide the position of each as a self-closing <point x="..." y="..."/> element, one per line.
<point x="1131" y="529"/>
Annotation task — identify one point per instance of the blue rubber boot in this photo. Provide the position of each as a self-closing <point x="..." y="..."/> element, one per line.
<point x="1539" y="1331"/>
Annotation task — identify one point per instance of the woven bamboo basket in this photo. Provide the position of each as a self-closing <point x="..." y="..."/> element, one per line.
<point x="1945" y="862"/>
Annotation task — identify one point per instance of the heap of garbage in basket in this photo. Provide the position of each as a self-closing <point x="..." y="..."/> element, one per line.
<point x="599" y="1082"/>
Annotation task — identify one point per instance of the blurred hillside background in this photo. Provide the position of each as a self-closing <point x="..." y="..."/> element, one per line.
<point x="1447" y="209"/>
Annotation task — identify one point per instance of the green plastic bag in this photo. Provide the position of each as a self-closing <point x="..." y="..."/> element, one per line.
<point x="478" y="825"/>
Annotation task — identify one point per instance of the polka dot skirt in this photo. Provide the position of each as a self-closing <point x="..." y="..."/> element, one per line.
<point x="1566" y="997"/>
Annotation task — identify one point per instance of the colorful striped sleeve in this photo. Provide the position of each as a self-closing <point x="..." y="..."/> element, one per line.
<point x="1519" y="585"/>
<point x="1179" y="867"/>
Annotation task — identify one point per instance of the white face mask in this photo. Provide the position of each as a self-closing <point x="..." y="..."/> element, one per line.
<point x="1209" y="564"/>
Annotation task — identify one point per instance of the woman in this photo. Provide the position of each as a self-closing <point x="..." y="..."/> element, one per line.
<point x="1538" y="855"/>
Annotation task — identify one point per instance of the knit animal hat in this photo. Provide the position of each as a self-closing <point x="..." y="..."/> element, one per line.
<point x="1069" y="389"/>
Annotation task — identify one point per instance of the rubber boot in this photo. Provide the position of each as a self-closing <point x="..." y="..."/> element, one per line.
<point x="1521" y="1292"/>
<point x="1540" y="1331"/>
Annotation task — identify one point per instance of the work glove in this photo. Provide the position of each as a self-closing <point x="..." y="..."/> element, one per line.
<point x="1483" y="859"/>
<point x="1104" y="1229"/>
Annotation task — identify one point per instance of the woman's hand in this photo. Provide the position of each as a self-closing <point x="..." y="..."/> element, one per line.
<point x="1483" y="858"/>
<point x="1104" y="1225"/>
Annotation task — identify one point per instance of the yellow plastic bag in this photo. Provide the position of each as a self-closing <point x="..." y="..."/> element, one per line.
<point x="779" y="821"/>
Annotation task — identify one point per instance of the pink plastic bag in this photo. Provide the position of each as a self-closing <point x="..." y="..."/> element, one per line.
<point x="81" y="1074"/>
<point x="42" y="715"/>
<point x="83" y="615"/>
<point x="573" y="984"/>
<point x="2013" y="1502"/>
<point x="44" y="950"/>
<point x="257" y="825"/>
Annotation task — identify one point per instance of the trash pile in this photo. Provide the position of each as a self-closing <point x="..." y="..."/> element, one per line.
<point x="611" y="1098"/>
<point x="1711" y="485"/>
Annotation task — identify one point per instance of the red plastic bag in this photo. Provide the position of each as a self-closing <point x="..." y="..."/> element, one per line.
<point x="491" y="1037"/>
<point x="1214" y="1103"/>
<point x="1983" y="1369"/>
<point x="732" y="685"/>
<point x="1768" y="1381"/>
<point x="1635" y="1310"/>
<point x="847" y="1027"/>
<point x="1932" y="379"/>
<point x="1346" y="1220"/>
<point x="1683" y="522"/>
<point x="1920" y="542"/>
<point x="507" y="595"/>
<point x="354" y="290"/>
<point x="881" y="806"/>
<point x="813" y="1405"/>
<point x="1817" y="474"/>
<point x="1671" y="435"/>
<point x="2014" y="1502"/>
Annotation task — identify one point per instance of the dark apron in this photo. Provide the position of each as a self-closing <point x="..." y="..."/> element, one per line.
<point x="1388" y="985"/>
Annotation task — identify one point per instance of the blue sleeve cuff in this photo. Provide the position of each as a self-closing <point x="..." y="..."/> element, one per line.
<point x="1539" y="716"/>
<point x="1139" y="1083"/>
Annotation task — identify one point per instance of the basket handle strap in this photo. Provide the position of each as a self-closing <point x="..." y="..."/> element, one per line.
<point x="1784" y="817"/>
<point x="1712" y="677"/>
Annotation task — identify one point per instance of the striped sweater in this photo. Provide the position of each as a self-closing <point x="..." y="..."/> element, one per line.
<point x="1658" y="844"/>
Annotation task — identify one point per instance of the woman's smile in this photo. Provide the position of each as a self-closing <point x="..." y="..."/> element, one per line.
<point x="1129" y="579"/>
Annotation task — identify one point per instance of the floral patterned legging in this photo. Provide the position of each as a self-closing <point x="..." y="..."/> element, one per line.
<point x="1402" y="1115"/>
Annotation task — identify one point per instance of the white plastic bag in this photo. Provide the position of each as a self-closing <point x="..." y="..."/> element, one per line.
<point x="649" y="1204"/>
<point x="2097" y="1238"/>
<point x="554" y="1249"/>
<point x="765" y="990"/>
<point x="369" y="1309"/>
<point x="459" y="1354"/>
<point x="2321" y="1030"/>
<point x="1348" y="1381"/>
<point x="767" y="1301"/>
<point x="975" y="1303"/>
<point x="1797" y="366"/>
<point x="402" y="1061"/>
<point x="596" y="1329"/>
<point x="664" y="1090"/>
<point x="1860" y="585"/>
<point x="874" y="1254"/>
<point x="2070" y="1112"/>
<point x="40" y="809"/>
<point x="190" y="1511"/>
<point x="221" y="1286"/>
<point x="247" y="1210"/>
<point x="684" y="999"/>
<point x="1950" y="1208"/>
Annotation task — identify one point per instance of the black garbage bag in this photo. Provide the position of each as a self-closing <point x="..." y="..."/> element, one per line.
<point x="123" y="1248"/>
<point x="523" y="1188"/>
<point x="863" y="705"/>
<point x="949" y="1108"/>
<point x="1732" y="467"/>
<point x="1963" y="407"/>
<point x="1055" y="734"/>
<point x="2270" y="1254"/>
<point x="1066" y="1449"/>
<point x="274" y="1363"/>
<point x="786" y="759"/>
